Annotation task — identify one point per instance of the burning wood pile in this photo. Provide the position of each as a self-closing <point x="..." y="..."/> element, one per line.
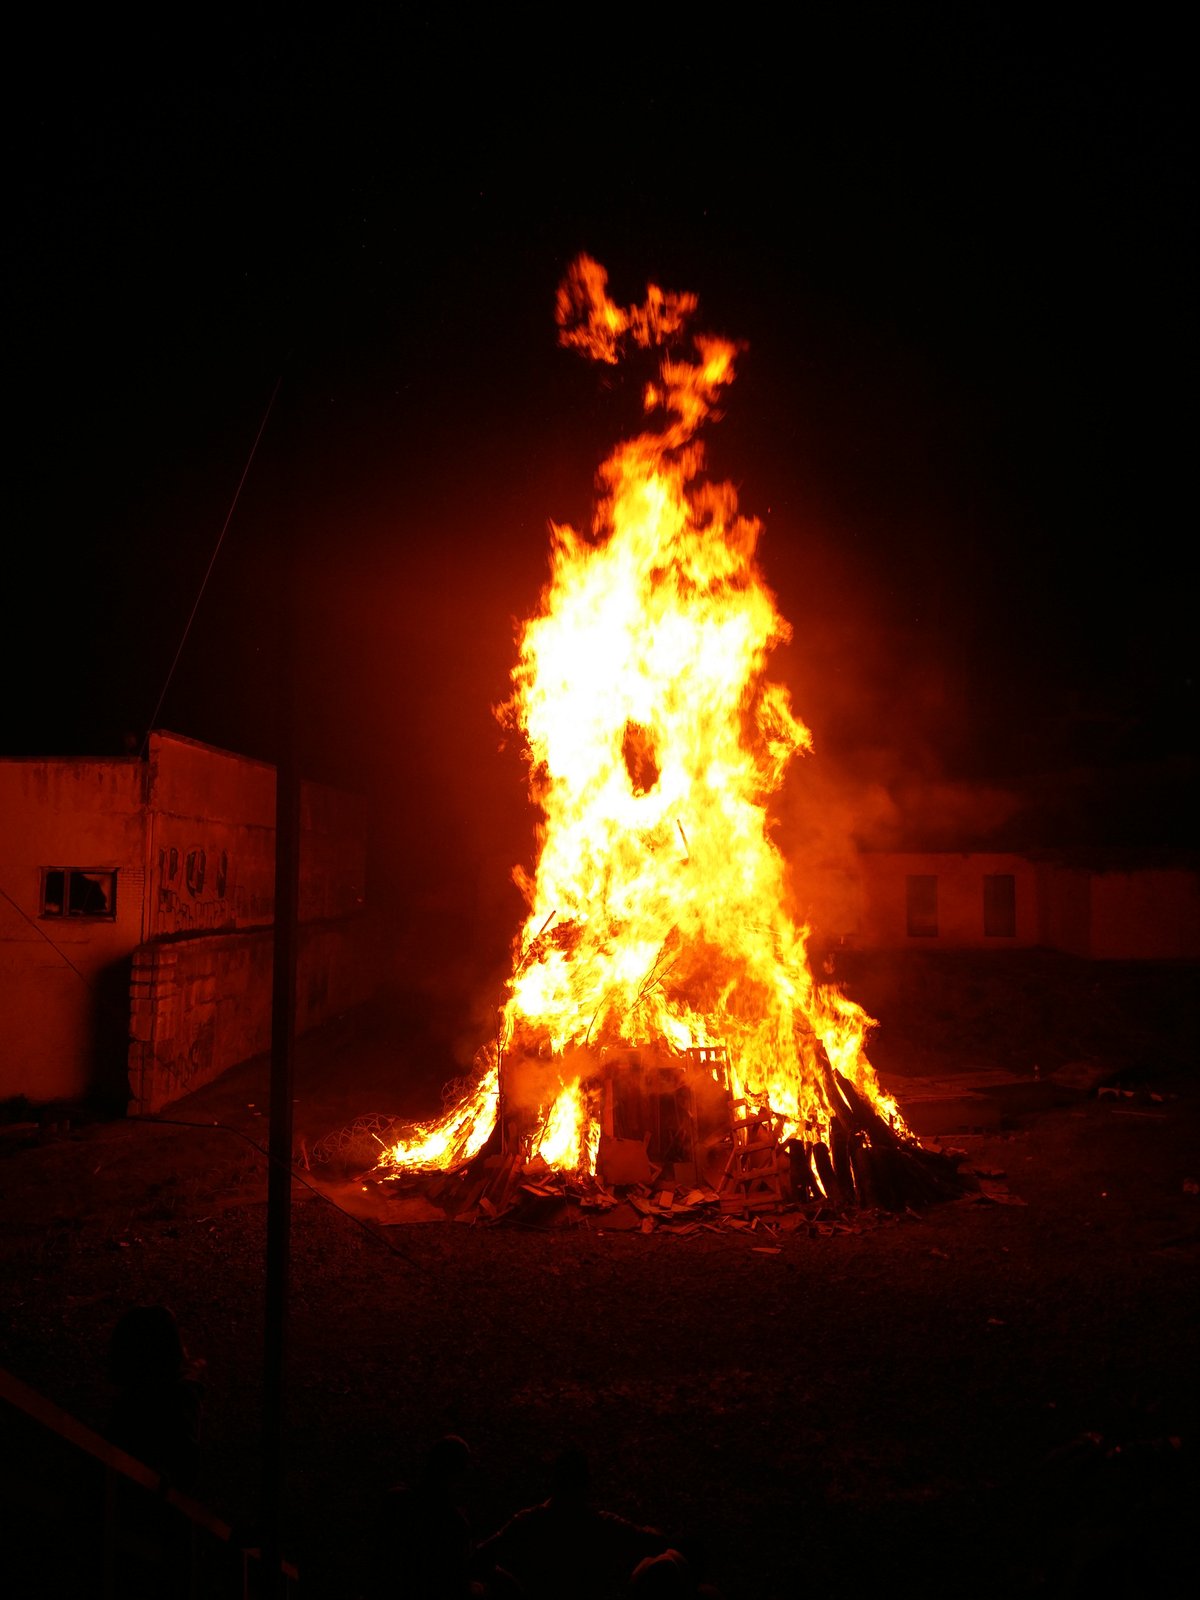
<point x="678" y="1152"/>
<point x="663" y="1043"/>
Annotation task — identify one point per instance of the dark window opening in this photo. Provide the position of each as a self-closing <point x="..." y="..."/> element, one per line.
<point x="922" y="906"/>
<point x="78" y="892"/>
<point x="999" y="905"/>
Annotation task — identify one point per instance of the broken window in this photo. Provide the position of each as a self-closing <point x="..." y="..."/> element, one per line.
<point x="922" y="906"/>
<point x="78" y="892"/>
<point x="999" y="905"/>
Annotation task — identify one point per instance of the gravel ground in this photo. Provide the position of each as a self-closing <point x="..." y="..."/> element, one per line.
<point x="995" y="1397"/>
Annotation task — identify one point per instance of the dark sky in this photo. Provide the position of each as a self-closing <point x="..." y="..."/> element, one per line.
<point x="960" y="253"/>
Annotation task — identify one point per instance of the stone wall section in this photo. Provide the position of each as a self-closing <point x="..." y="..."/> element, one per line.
<point x="202" y="1005"/>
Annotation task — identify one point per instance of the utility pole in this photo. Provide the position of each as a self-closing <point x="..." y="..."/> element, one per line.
<point x="283" y="1034"/>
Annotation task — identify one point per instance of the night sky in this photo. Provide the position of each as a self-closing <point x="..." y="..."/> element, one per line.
<point x="961" y="256"/>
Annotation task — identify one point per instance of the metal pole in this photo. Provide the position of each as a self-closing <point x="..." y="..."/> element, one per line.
<point x="283" y="1028"/>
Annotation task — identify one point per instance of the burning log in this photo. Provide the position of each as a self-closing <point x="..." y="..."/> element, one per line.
<point x="865" y="1161"/>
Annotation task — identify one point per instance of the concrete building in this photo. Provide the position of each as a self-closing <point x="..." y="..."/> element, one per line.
<point x="1104" y="907"/>
<point x="136" y="907"/>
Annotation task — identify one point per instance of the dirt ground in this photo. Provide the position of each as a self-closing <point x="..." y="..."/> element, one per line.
<point x="994" y="1397"/>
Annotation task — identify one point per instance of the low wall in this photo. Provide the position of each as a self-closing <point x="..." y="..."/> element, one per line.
<point x="202" y="1005"/>
<point x="1146" y="915"/>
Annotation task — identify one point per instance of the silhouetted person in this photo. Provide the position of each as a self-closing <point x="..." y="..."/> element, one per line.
<point x="565" y="1549"/>
<point x="159" y="1395"/>
<point x="155" y="1418"/>
<point x="422" y="1547"/>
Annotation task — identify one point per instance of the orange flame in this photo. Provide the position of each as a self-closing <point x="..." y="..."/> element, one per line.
<point x="658" y="910"/>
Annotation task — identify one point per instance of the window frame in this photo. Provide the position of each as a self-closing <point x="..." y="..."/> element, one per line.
<point x="60" y="908"/>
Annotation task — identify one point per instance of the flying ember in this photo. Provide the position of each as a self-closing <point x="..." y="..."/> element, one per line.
<point x="661" y="1011"/>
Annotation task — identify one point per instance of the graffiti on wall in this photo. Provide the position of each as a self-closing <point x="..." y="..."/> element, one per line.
<point x="193" y="887"/>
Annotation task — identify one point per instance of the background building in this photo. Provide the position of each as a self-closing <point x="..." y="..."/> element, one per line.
<point x="136" y="911"/>
<point x="1111" y="907"/>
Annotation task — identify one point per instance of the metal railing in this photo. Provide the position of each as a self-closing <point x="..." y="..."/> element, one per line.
<point x="86" y="1519"/>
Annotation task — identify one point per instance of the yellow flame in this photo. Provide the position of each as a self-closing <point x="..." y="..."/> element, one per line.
<point x="453" y="1138"/>
<point x="568" y="1138"/>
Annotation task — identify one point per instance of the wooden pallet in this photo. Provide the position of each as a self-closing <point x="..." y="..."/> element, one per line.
<point x="756" y="1176"/>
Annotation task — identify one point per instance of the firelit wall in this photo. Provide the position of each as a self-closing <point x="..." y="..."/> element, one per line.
<point x="135" y="920"/>
<point x="72" y="909"/>
<point x="212" y="839"/>
<point x="202" y="1005"/>
<point x="201" y="984"/>
<point x="1149" y="914"/>
<point x="944" y="901"/>
<point x="212" y="843"/>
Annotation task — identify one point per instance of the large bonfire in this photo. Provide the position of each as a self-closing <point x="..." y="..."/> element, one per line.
<point x="659" y="942"/>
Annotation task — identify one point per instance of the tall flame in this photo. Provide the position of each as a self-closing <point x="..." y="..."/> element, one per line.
<point x="658" y="912"/>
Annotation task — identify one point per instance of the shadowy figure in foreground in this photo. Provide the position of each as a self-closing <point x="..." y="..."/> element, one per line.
<point x="564" y="1548"/>
<point x="421" y="1549"/>
<point x="155" y="1417"/>
<point x="159" y="1395"/>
